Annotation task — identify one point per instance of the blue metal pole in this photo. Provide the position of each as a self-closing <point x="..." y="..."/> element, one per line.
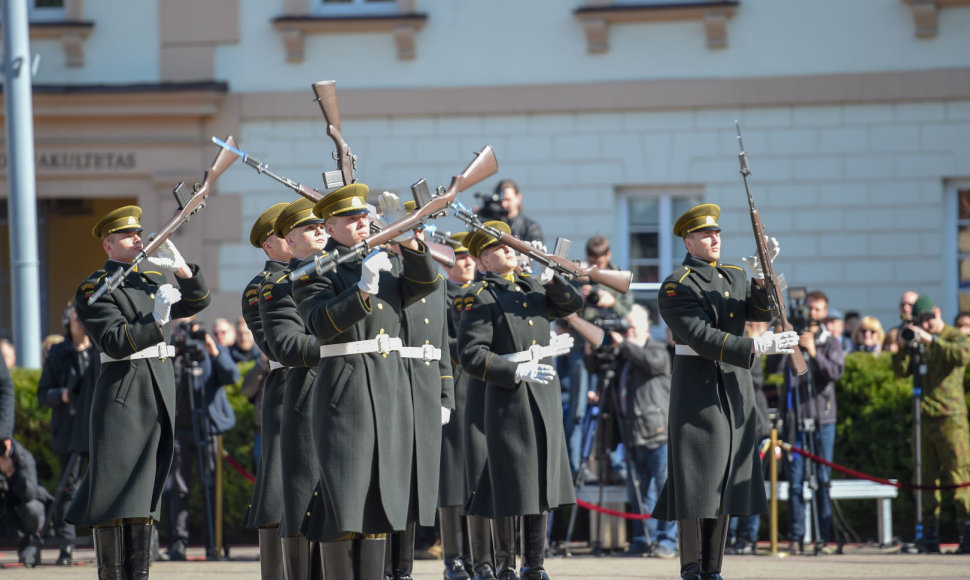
<point x="25" y="280"/>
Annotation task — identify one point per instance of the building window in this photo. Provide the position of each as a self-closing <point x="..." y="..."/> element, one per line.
<point x="654" y="251"/>
<point x="46" y="10"/>
<point x="963" y="247"/>
<point x="356" y="7"/>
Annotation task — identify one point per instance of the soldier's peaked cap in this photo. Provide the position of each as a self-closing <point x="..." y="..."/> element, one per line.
<point x="295" y="214"/>
<point x="263" y="227"/>
<point x="698" y="218"/>
<point x="123" y="219"/>
<point x="478" y="241"/>
<point x="348" y="200"/>
<point x="461" y="238"/>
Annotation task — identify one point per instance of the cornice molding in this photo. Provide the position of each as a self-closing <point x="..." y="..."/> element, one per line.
<point x="597" y="16"/>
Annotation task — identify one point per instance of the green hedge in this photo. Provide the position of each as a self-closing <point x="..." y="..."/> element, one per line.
<point x="32" y="429"/>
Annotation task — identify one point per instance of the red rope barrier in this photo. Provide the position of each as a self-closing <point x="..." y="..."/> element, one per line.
<point x="860" y="475"/>
<point x="235" y="465"/>
<point x="609" y="512"/>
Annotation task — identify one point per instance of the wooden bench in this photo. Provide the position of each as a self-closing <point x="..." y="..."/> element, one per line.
<point x="852" y="489"/>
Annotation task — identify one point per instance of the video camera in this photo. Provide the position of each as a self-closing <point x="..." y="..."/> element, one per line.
<point x="798" y="311"/>
<point x="189" y="341"/>
<point x="491" y="206"/>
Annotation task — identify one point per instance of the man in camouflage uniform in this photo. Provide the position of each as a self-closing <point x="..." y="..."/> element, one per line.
<point x="944" y="435"/>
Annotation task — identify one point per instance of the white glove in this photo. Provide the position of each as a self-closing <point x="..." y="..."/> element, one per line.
<point x="562" y="343"/>
<point x="167" y="258"/>
<point x="541" y="272"/>
<point x="165" y="296"/>
<point x="371" y="268"/>
<point x="754" y="264"/>
<point x="534" y="372"/>
<point x="771" y="343"/>
<point x="445" y="415"/>
<point x="393" y="210"/>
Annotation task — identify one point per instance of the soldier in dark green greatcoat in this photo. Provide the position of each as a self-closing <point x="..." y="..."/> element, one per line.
<point x="266" y="507"/>
<point x="504" y="339"/>
<point x="299" y="351"/>
<point x="713" y="466"/>
<point x="363" y="422"/>
<point x="132" y="433"/>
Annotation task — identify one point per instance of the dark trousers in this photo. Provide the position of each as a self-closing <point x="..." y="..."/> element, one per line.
<point x="180" y="481"/>
<point x="64" y="496"/>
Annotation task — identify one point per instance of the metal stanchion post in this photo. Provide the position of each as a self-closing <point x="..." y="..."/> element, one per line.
<point x="220" y="549"/>
<point x="773" y="506"/>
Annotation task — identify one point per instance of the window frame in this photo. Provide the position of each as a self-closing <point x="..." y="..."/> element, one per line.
<point x="46" y="14"/>
<point x="951" y="254"/>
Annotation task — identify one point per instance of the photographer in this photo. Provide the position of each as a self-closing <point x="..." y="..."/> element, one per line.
<point x="21" y="500"/>
<point x="945" y="352"/>
<point x="195" y="349"/>
<point x="508" y="196"/>
<point x="644" y="390"/>
<point x="812" y="411"/>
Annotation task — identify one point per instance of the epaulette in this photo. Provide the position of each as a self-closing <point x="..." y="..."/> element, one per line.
<point x="251" y="295"/>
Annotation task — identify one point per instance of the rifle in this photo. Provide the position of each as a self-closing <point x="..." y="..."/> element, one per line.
<point x="326" y="92"/>
<point x="618" y="280"/>
<point x="774" y="285"/>
<point x="483" y="166"/>
<point x="441" y="253"/>
<point x="263" y="169"/>
<point x="187" y="208"/>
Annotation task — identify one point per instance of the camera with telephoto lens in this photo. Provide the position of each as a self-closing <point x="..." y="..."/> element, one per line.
<point x="798" y="311"/>
<point x="491" y="207"/>
<point x="909" y="336"/>
<point x="189" y="341"/>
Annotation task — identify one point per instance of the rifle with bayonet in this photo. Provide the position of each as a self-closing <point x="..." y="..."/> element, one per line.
<point x="441" y="253"/>
<point x="326" y="92"/>
<point x="484" y="165"/>
<point x="263" y="169"/>
<point x="618" y="280"/>
<point x="187" y="208"/>
<point x="774" y="284"/>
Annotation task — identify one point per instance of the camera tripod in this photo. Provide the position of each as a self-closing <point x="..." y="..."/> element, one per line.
<point x="599" y="427"/>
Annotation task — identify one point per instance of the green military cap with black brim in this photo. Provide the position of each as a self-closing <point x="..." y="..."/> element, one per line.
<point x="459" y="246"/>
<point x="263" y="227"/>
<point x="923" y="307"/>
<point x="478" y="241"/>
<point x="295" y="214"/>
<point x="123" y="219"/>
<point x="697" y="219"/>
<point x="348" y="200"/>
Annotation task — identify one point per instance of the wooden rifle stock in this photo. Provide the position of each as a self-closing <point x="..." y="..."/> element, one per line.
<point x="484" y="165"/>
<point x="326" y="92"/>
<point x="441" y="253"/>
<point x="187" y="208"/>
<point x="776" y="302"/>
<point x="590" y="332"/>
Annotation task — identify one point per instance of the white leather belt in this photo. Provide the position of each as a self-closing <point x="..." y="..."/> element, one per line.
<point x="684" y="350"/>
<point x="384" y="343"/>
<point x="425" y="352"/>
<point x="535" y="353"/>
<point x="273" y="365"/>
<point x="160" y="350"/>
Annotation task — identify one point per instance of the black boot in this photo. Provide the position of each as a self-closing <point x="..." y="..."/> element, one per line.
<point x="109" y="547"/>
<point x="452" y="542"/>
<point x="138" y="549"/>
<point x="480" y="542"/>
<point x="338" y="559"/>
<point x="370" y="559"/>
<point x="503" y="540"/>
<point x="270" y="554"/>
<point x="295" y="551"/>
<point x="399" y="554"/>
<point x="713" y="540"/>
<point x="689" y="534"/>
<point x="534" y="546"/>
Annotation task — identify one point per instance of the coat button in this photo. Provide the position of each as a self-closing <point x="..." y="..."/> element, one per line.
<point x="525" y="305"/>
<point x="533" y="342"/>
<point x="531" y="323"/>
<point x="423" y="301"/>
<point x="726" y="293"/>
<point x="720" y="276"/>
<point x="731" y="315"/>
<point x="426" y="321"/>
<point x="380" y="306"/>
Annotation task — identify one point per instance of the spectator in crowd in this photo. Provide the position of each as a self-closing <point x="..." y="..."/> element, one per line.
<point x="244" y="349"/>
<point x="643" y="368"/>
<point x="743" y="530"/>
<point x="890" y="343"/>
<point x="811" y="409"/>
<point x="67" y="386"/>
<point x="522" y="227"/>
<point x="868" y="336"/>
<point x="224" y="333"/>
<point x="943" y="416"/>
<point x="22" y="500"/>
<point x="850" y="324"/>
<point x="9" y="352"/>
<point x="49" y="341"/>
<point x="195" y="347"/>
<point x="906" y="302"/>
<point x="962" y="322"/>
